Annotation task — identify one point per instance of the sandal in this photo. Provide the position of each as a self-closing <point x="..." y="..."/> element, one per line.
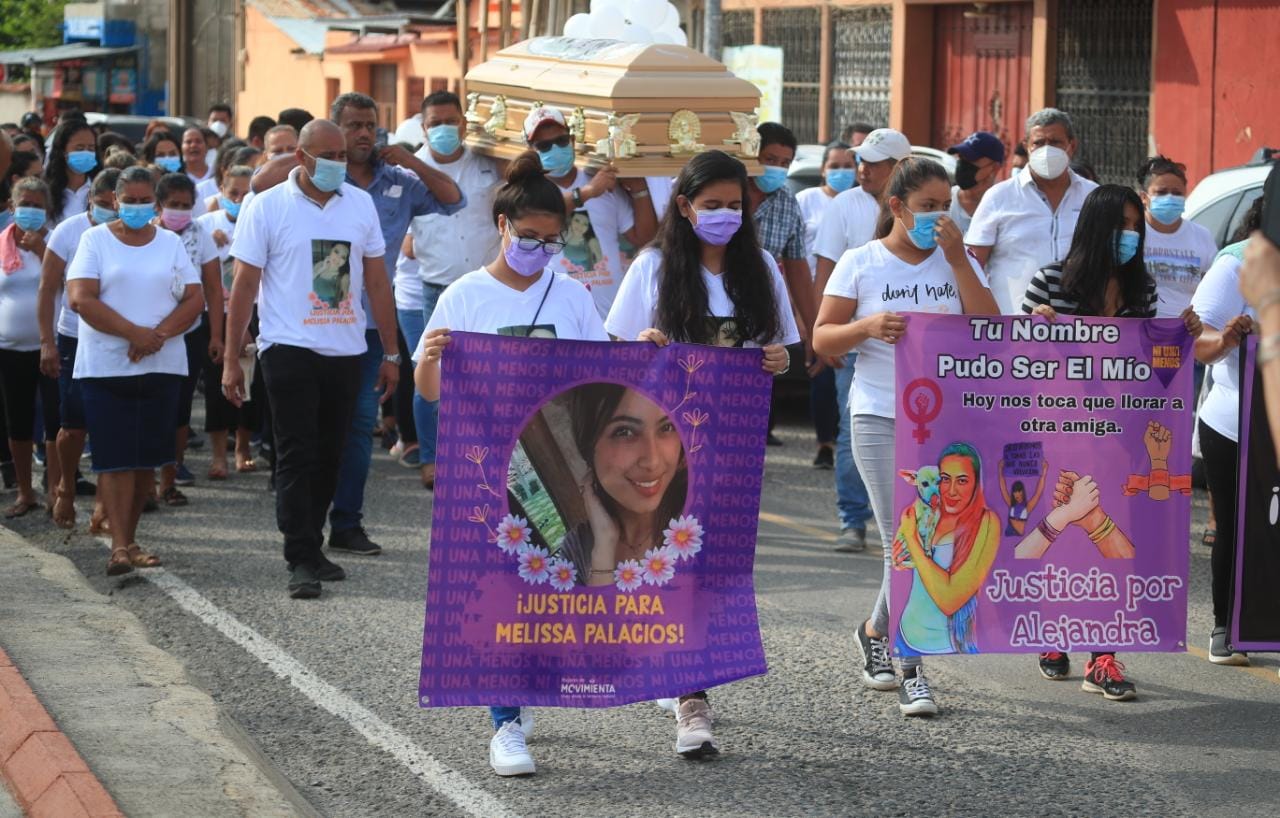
<point x="99" y="525"/>
<point x="218" y="472"/>
<point x="174" y="498"/>
<point x="119" y="562"/>
<point x="141" y="559"/>
<point x="62" y="504"/>
<point x="1209" y="537"/>
<point x="21" y="509"/>
<point x="246" y="465"/>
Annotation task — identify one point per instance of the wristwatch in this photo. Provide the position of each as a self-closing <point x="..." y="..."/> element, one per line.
<point x="393" y="358"/>
<point x="577" y="197"/>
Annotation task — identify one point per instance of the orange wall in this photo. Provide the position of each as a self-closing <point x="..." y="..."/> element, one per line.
<point x="274" y="77"/>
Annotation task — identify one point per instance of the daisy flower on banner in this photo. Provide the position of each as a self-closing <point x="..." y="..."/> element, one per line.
<point x="513" y="533"/>
<point x="683" y="536"/>
<point x="659" y="566"/>
<point x="628" y="576"/>
<point x="535" y="567"/>
<point x="562" y="574"/>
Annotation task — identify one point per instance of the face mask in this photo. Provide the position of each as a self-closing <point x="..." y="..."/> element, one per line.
<point x="840" y="179"/>
<point x="232" y="208"/>
<point x="29" y="219"/>
<point x="329" y="174"/>
<point x="82" y="161"/>
<point x="102" y="215"/>
<point x="1048" y="162"/>
<point x="966" y="174"/>
<point x="1126" y="245"/>
<point x="558" y="161"/>
<point x="443" y="139"/>
<point x="1168" y="209"/>
<point x="219" y="127"/>
<point x="175" y="219"/>
<point x="527" y="263"/>
<point x="169" y="164"/>
<point x="773" y="178"/>
<point x="136" y="216"/>
<point x="921" y="234"/>
<point x="717" y="227"/>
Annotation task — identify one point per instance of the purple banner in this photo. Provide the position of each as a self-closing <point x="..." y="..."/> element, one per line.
<point x="594" y="529"/>
<point x="1045" y="494"/>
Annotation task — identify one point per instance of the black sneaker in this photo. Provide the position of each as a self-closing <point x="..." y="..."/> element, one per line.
<point x="85" y="488"/>
<point x="773" y="440"/>
<point x="852" y="541"/>
<point x="877" y="669"/>
<point x="825" y="460"/>
<point x="1221" y="652"/>
<point x="914" y="697"/>
<point x="304" y="581"/>
<point x="354" y="541"/>
<point x="1106" y="676"/>
<point x="329" y="571"/>
<point x="1055" y="666"/>
<point x="194" y="439"/>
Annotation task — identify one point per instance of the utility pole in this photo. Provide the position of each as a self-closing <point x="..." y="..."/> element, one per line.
<point x="711" y="29"/>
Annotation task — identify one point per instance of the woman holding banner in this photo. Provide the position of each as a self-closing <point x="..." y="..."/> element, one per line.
<point x="705" y="280"/>
<point x="917" y="263"/>
<point x="513" y="295"/>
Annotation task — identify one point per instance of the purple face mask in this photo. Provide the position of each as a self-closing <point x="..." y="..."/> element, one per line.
<point x="527" y="263"/>
<point x="717" y="226"/>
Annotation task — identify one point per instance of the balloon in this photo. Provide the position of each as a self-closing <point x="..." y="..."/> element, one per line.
<point x="671" y="21"/>
<point x="633" y="33"/>
<point x="608" y="23"/>
<point x="598" y="5"/>
<point x="678" y="33"/>
<point x="647" y="14"/>
<point x="579" y="25"/>
<point x="665" y="37"/>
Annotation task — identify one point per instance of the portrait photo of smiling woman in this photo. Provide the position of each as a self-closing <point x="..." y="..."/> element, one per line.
<point x="599" y="473"/>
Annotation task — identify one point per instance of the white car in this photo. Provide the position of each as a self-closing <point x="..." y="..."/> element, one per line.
<point x="1221" y="199"/>
<point x="806" y="168"/>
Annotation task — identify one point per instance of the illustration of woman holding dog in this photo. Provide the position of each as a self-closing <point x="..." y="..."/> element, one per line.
<point x="1016" y="499"/>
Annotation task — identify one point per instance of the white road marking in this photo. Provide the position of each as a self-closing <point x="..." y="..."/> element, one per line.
<point x="449" y="783"/>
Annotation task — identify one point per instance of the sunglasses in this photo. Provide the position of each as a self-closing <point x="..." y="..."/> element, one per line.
<point x="544" y="145"/>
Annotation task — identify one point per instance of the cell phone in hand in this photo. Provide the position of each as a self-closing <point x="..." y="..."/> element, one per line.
<point x="381" y="139"/>
<point x="1271" y="203"/>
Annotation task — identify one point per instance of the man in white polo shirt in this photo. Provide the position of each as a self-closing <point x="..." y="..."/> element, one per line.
<point x="1027" y="222"/>
<point x="308" y="248"/>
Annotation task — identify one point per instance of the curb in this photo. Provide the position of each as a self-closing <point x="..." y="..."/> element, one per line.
<point x="43" y="770"/>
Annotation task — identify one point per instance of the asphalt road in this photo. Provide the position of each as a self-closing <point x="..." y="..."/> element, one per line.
<point x="314" y="682"/>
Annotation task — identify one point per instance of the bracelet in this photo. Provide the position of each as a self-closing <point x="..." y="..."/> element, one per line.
<point x="1099" y="533"/>
<point x="642" y="193"/>
<point x="1267" y="300"/>
<point x="1269" y="348"/>
<point x="1050" y="533"/>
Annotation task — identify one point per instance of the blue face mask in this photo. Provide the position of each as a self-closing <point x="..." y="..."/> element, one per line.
<point x="102" y="215"/>
<point x="232" y="208"/>
<point x="29" y="218"/>
<point x="558" y="161"/>
<point x="1126" y="245"/>
<point x="82" y="161"/>
<point x="840" y="179"/>
<point x="329" y="173"/>
<point x="137" y="216"/>
<point x="1168" y="209"/>
<point x="443" y="139"/>
<point x="922" y="234"/>
<point x="169" y="164"/>
<point x="773" y="178"/>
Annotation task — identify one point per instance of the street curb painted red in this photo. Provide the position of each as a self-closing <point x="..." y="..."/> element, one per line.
<point x="38" y="763"/>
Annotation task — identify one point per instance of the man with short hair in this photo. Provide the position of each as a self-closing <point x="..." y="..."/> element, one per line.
<point x="296" y="118"/>
<point x="979" y="159"/>
<point x="219" y="119"/>
<point x="779" y="223"/>
<point x="282" y="140"/>
<point x="311" y="247"/>
<point x="258" y="127"/>
<point x="853" y="135"/>
<point x="1027" y="222"/>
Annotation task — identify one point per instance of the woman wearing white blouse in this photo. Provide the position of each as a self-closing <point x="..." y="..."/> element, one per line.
<point x="137" y="292"/>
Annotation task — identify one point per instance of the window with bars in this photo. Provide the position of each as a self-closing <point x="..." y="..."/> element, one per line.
<point x="737" y="28"/>
<point x="797" y="32"/>
<point x="862" y="39"/>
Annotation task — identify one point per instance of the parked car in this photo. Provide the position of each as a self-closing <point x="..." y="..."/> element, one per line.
<point x="806" y="168"/>
<point x="1221" y="199"/>
<point x="134" y="127"/>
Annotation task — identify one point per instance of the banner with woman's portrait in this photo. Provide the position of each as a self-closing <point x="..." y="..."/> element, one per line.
<point x="1044" y="499"/>
<point x="593" y="535"/>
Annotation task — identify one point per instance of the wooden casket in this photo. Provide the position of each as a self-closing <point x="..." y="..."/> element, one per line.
<point x="645" y="108"/>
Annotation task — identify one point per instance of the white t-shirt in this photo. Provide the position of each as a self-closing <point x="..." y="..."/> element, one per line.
<point x="408" y="284"/>
<point x="1176" y="261"/>
<point x="63" y="241"/>
<point x="1217" y="300"/>
<point x="478" y="302"/>
<point x="75" y="202"/>
<point x="312" y="261"/>
<point x="814" y="203"/>
<point x="881" y="282"/>
<point x="660" y="188"/>
<point x="957" y="213"/>
<point x="591" y="254"/>
<point x="1024" y="235"/>
<point x="142" y="284"/>
<point x="636" y="307"/>
<point x="449" y="247"/>
<point x="207" y="188"/>
<point x="19" y="329"/>
<point x="849" y="223"/>
<point x="211" y="223"/>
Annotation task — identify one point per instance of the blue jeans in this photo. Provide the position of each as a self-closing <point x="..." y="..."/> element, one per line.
<point x="357" y="452"/>
<point x="425" y="412"/>
<point x="852" y="503"/>
<point x="411" y="324"/>
<point x="502" y="715"/>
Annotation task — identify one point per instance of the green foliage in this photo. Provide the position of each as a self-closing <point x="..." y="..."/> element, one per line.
<point x="30" y="23"/>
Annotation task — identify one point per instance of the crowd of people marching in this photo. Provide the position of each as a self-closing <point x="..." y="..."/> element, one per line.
<point x="308" y="276"/>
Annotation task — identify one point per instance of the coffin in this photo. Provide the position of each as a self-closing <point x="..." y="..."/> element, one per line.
<point x="646" y="108"/>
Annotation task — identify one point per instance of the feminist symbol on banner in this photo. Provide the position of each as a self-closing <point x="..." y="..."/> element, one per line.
<point x="921" y="401"/>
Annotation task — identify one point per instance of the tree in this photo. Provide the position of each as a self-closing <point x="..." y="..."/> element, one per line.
<point x="31" y="23"/>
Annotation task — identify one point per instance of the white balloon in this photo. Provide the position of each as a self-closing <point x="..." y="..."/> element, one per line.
<point x="647" y="14"/>
<point x="679" y="35"/>
<point x="579" y="25"/>
<point x="597" y="5"/>
<point x="633" y="33"/>
<point x="665" y="37"/>
<point x="608" y="22"/>
<point x="671" y="20"/>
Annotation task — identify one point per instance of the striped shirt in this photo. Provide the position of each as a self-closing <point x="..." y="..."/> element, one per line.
<point x="1046" y="288"/>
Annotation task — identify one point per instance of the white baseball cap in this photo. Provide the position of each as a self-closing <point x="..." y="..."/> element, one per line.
<point x="882" y="144"/>
<point x="539" y="116"/>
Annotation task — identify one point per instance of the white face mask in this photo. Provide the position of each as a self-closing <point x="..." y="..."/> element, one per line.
<point x="1048" y="162"/>
<point x="219" y="127"/>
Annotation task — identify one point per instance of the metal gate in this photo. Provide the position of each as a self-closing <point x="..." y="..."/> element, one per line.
<point x="1104" y="82"/>
<point x="737" y="28"/>
<point x="862" y="39"/>
<point x="796" y="32"/>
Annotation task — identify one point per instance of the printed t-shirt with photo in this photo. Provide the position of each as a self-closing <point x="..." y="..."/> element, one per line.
<point x="478" y="302"/>
<point x="144" y="285"/>
<point x="591" y="253"/>
<point x="1177" y="261"/>
<point x="636" y="307"/>
<point x="881" y="282"/>
<point x="212" y="223"/>
<point x="63" y="241"/>
<point x="312" y="261"/>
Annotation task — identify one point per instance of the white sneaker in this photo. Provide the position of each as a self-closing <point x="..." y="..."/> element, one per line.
<point x="915" y="698"/>
<point x="526" y="722"/>
<point x="508" y="754"/>
<point x="672" y="706"/>
<point x="693" y="729"/>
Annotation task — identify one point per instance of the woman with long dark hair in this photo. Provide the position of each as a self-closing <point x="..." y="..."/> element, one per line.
<point x="164" y="150"/>
<point x="73" y="161"/>
<point x="1103" y="275"/>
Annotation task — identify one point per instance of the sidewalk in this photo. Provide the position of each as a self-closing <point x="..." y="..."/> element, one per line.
<point x="110" y="711"/>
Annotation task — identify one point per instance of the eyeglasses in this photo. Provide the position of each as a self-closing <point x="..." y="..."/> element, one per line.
<point x="544" y="145"/>
<point x="551" y="247"/>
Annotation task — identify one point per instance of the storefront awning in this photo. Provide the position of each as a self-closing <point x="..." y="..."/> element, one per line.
<point x="60" y="53"/>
